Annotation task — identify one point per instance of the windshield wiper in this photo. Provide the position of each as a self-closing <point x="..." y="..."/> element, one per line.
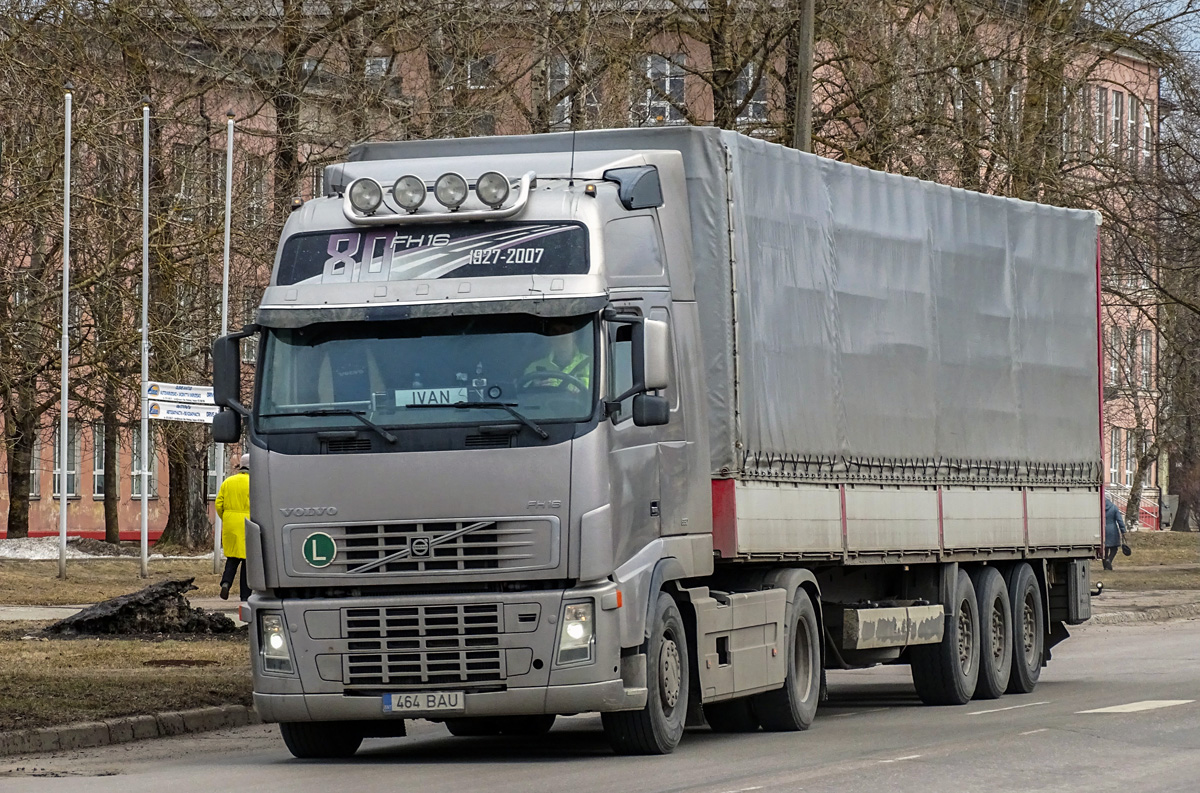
<point x="506" y="406"/>
<point x="358" y="414"/>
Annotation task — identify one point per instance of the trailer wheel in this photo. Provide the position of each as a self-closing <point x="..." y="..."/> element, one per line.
<point x="732" y="715"/>
<point x="995" y="633"/>
<point x="658" y="727"/>
<point x="320" y="739"/>
<point x="1029" y="629"/>
<point x="794" y="706"/>
<point x="946" y="673"/>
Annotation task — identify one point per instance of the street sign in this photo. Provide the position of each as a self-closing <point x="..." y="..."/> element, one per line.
<point x="193" y="394"/>
<point x="179" y="411"/>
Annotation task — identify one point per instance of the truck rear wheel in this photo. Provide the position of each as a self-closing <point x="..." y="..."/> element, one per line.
<point x="1029" y="629"/>
<point x="657" y="728"/>
<point x="320" y="739"/>
<point x="995" y="633"/>
<point x="732" y="715"/>
<point x="946" y="673"/>
<point x="794" y="706"/>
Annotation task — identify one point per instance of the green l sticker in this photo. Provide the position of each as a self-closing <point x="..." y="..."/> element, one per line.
<point x="319" y="549"/>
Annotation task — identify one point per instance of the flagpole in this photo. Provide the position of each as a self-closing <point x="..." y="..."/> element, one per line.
<point x="66" y="341"/>
<point x="145" y="426"/>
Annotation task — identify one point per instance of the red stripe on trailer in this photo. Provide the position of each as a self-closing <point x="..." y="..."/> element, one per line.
<point x="724" y="507"/>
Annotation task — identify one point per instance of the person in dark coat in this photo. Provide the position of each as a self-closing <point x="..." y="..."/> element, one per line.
<point x="1114" y="532"/>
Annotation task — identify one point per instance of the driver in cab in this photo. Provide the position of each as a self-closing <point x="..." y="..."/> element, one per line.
<point x="565" y="357"/>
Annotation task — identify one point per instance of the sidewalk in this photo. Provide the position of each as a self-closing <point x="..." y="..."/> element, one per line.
<point x="1113" y="607"/>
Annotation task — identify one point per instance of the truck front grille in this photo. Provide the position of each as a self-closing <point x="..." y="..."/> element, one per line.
<point x="434" y="547"/>
<point x="422" y="646"/>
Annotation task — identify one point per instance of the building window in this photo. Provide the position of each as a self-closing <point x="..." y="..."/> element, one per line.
<point x="1130" y="456"/>
<point x="1147" y="130"/>
<point x="98" y="461"/>
<point x="1118" y="124"/>
<point x="317" y="175"/>
<point x="151" y="471"/>
<point x="212" y="484"/>
<point x="184" y="176"/>
<point x="663" y="98"/>
<point x="1114" y="352"/>
<point x="255" y="174"/>
<point x="248" y="346"/>
<point x="72" y="459"/>
<point x="1099" y="107"/>
<point x="1147" y="357"/>
<point x="1131" y="132"/>
<point x="376" y="66"/>
<point x="755" y="110"/>
<point x="35" y="467"/>
<point x="1114" y="455"/>
<point x="479" y="72"/>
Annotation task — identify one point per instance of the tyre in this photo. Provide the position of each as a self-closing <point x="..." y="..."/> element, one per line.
<point x="733" y="715"/>
<point x="320" y="739"/>
<point x="1029" y="629"/>
<point x="794" y="706"/>
<point x="995" y="633"/>
<point x="946" y="673"/>
<point x="657" y="728"/>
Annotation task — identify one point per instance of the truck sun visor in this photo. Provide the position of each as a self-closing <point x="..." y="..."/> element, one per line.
<point x="470" y="250"/>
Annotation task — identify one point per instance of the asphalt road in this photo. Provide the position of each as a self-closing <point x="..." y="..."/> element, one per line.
<point x="873" y="736"/>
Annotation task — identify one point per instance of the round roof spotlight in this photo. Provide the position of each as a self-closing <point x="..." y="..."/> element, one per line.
<point x="450" y="190"/>
<point x="365" y="195"/>
<point x="409" y="192"/>
<point x="492" y="189"/>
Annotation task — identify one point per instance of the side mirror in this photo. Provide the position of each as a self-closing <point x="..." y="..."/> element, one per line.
<point x="227" y="426"/>
<point x="227" y="372"/>
<point x="650" y="410"/>
<point x="656" y="361"/>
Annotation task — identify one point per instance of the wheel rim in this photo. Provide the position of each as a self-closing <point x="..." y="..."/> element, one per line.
<point x="966" y="643"/>
<point x="802" y="663"/>
<point x="997" y="633"/>
<point x="669" y="676"/>
<point x="1029" y="628"/>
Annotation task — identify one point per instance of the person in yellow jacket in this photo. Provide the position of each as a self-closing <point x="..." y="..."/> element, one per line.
<point x="233" y="507"/>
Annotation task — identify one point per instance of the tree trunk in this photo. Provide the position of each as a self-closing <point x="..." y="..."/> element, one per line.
<point x="112" y="477"/>
<point x="187" y="466"/>
<point x="19" y="444"/>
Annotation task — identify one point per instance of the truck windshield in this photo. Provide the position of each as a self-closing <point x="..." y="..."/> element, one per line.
<point x="321" y="376"/>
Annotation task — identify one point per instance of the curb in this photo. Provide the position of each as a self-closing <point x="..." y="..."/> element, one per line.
<point x="1159" y="614"/>
<point x="90" y="734"/>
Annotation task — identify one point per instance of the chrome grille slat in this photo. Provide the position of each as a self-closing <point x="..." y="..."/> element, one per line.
<point x="422" y="646"/>
<point x="478" y="545"/>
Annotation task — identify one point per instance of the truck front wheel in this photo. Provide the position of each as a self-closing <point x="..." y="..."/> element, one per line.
<point x="794" y="706"/>
<point x="657" y="728"/>
<point x="321" y="740"/>
<point x="946" y="673"/>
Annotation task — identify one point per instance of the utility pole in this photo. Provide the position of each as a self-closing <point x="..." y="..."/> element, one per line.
<point x="802" y="120"/>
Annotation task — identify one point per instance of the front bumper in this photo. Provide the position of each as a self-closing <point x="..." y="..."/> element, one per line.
<point x="499" y="649"/>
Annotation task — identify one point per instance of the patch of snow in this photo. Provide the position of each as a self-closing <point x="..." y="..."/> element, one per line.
<point x="40" y="548"/>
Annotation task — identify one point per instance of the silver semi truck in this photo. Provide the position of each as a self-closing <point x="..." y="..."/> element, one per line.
<point x="659" y="424"/>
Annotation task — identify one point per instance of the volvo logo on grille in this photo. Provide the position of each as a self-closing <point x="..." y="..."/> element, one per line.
<point x="307" y="512"/>
<point x="419" y="546"/>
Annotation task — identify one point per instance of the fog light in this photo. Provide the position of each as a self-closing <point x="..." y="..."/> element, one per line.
<point x="273" y="644"/>
<point x="365" y="195"/>
<point x="577" y="639"/>
<point x="409" y="192"/>
<point x="492" y="189"/>
<point x="450" y="190"/>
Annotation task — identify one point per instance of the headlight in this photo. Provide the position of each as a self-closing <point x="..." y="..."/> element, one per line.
<point x="409" y="192"/>
<point x="450" y="190"/>
<point x="273" y="644"/>
<point x="492" y="189"/>
<point x="577" y="637"/>
<point x="366" y="195"/>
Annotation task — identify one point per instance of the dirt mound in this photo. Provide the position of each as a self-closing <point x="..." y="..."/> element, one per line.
<point x="99" y="547"/>
<point x="159" y="608"/>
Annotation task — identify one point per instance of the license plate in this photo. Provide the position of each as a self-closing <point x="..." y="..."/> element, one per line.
<point x="424" y="702"/>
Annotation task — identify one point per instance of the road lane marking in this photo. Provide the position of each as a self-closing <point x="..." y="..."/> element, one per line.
<point x="1010" y="707"/>
<point x="743" y="789"/>
<point x="1135" y="707"/>
<point x="1034" y="732"/>
<point x="898" y="759"/>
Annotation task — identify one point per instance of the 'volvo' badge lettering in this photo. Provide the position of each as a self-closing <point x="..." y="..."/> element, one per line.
<point x="307" y="512"/>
